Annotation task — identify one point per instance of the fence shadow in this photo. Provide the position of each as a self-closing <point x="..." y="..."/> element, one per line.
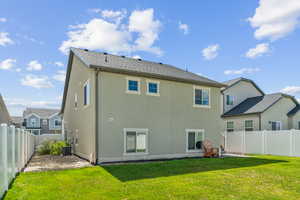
<point x="136" y="171"/>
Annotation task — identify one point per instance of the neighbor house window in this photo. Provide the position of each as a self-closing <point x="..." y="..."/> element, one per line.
<point x="230" y="126"/>
<point x="75" y="100"/>
<point x="276" y="126"/>
<point x="86" y="93"/>
<point x="45" y="122"/>
<point x="153" y="87"/>
<point x="299" y="125"/>
<point x="249" y="125"/>
<point x="194" y="138"/>
<point x="136" y="140"/>
<point x="133" y="85"/>
<point x="201" y="97"/>
<point x="229" y="100"/>
<point x="33" y="122"/>
<point x="57" y="123"/>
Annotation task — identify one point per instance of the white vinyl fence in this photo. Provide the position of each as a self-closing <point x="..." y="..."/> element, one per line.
<point x="39" y="139"/>
<point x="283" y="142"/>
<point x="16" y="148"/>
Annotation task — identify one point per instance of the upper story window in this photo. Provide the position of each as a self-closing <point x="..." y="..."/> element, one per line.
<point x="230" y="126"/>
<point x="201" y="97"/>
<point x="249" y="125"/>
<point x="133" y="85"/>
<point x="45" y="122"/>
<point x="57" y="123"/>
<point x="152" y="87"/>
<point x="229" y="100"/>
<point x="195" y="138"/>
<point x="86" y="93"/>
<point x="33" y="122"/>
<point x="276" y="126"/>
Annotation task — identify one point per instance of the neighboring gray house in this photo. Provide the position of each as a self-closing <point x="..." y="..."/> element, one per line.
<point x="4" y="115"/>
<point x="42" y="121"/>
<point x="246" y="107"/>
<point x="17" y="121"/>
<point x="117" y="108"/>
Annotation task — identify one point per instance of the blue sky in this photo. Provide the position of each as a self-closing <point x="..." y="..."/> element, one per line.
<point x="218" y="39"/>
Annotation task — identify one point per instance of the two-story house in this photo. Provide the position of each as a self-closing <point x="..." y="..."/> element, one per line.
<point x="117" y="108"/>
<point x="42" y="121"/>
<point x="247" y="107"/>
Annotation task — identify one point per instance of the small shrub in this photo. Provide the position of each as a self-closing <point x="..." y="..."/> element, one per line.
<point x="45" y="147"/>
<point x="56" y="148"/>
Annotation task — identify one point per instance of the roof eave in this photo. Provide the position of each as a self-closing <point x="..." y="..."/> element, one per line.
<point x="236" y="115"/>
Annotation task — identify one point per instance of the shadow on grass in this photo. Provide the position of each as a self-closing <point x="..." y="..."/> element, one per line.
<point x="136" y="171"/>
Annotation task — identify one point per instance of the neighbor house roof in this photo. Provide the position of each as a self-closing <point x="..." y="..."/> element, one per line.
<point x="41" y="112"/>
<point x="235" y="81"/>
<point x="131" y="66"/>
<point x="294" y="110"/>
<point x="255" y="105"/>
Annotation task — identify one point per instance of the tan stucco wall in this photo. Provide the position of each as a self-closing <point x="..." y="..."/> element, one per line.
<point x="166" y="117"/>
<point x="80" y="123"/>
<point x="277" y="112"/>
<point x="239" y="122"/>
<point x="241" y="92"/>
<point x="294" y="121"/>
<point x="4" y="115"/>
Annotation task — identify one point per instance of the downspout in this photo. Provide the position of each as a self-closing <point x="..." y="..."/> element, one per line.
<point x="259" y="121"/>
<point x="96" y="115"/>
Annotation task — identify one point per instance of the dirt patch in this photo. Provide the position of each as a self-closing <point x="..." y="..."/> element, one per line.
<point x="48" y="162"/>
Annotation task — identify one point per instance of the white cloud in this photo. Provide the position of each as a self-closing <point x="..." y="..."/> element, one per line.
<point x="211" y="52"/>
<point x="2" y="19"/>
<point x="59" y="64"/>
<point x="184" y="28"/>
<point x="242" y="71"/>
<point x="136" y="57"/>
<point x="7" y="64"/>
<point x="293" y="90"/>
<point x="274" y="19"/>
<point x="115" y="37"/>
<point x="60" y="75"/>
<point x="34" y="65"/>
<point x="18" y="70"/>
<point x="259" y="50"/>
<point x="5" y="39"/>
<point x="36" y="81"/>
<point x="115" y="16"/>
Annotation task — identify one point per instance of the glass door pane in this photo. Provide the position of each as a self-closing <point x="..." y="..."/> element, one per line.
<point x="130" y="142"/>
<point x="191" y="141"/>
<point x="141" y="142"/>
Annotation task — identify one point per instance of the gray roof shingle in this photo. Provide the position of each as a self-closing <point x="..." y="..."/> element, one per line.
<point x="122" y="64"/>
<point x="44" y="113"/>
<point x="294" y="110"/>
<point x="232" y="82"/>
<point x="254" y="105"/>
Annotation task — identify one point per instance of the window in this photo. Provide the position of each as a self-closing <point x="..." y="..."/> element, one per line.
<point x="135" y="141"/>
<point x="194" y="139"/>
<point x="299" y="125"/>
<point x="86" y="93"/>
<point x="133" y="85"/>
<point x="45" y="122"/>
<point x="276" y="126"/>
<point x="152" y="87"/>
<point x="32" y="122"/>
<point x="201" y="97"/>
<point x="75" y="100"/>
<point x="57" y="123"/>
<point x="230" y="126"/>
<point x="249" y="125"/>
<point x="229" y="100"/>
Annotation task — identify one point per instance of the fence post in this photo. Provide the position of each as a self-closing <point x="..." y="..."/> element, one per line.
<point x="291" y="142"/>
<point x="4" y="155"/>
<point x="263" y="142"/>
<point x="225" y="142"/>
<point x="13" y="144"/>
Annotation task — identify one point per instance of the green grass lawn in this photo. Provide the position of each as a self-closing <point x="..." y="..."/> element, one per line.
<point x="261" y="177"/>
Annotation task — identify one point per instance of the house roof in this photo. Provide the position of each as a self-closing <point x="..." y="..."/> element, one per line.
<point x="235" y="81"/>
<point x="131" y="66"/>
<point x="41" y="112"/>
<point x="255" y="105"/>
<point x="4" y="115"/>
<point x="294" y="110"/>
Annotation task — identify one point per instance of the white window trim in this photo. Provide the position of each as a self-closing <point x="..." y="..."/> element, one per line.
<point x="76" y="101"/>
<point x="139" y="85"/>
<point x="125" y="130"/>
<point x="209" y="98"/>
<point x="88" y="99"/>
<point x="248" y="127"/>
<point x="227" y="126"/>
<point x="187" y="139"/>
<point x="158" y="89"/>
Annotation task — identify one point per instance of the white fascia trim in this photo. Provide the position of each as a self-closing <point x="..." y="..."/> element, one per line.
<point x="144" y="130"/>
<point x="27" y="116"/>
<point x="209" y="96"/>
<point x="53" y="115"/>
<point x="139" y="85"/>
<point x="158" y="87"/>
